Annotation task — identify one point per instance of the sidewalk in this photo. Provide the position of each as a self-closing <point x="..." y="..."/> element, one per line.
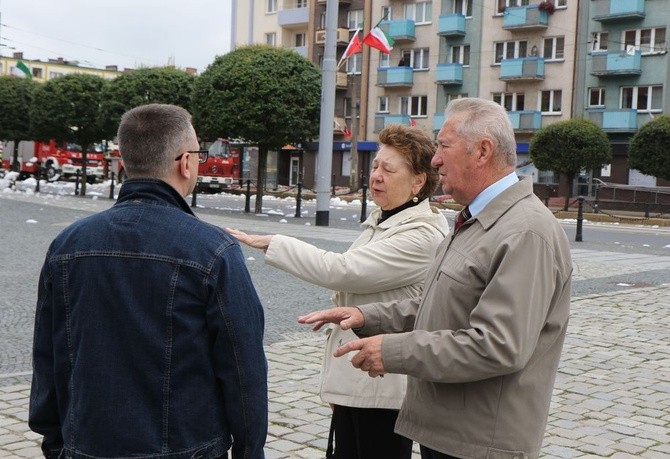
<point x="611" y="399"/>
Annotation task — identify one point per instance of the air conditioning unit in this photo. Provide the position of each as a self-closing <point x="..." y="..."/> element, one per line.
<point x="320" y="37"/>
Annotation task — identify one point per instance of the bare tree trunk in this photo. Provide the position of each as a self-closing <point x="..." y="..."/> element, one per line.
<point x="261" y="175"/>
<point x="568" y="195"/>
<point x="16" y="166"/>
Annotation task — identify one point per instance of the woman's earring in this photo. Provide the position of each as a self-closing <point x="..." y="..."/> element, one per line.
<point x="415" y="199"/>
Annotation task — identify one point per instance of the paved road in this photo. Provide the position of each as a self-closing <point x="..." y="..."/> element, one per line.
<point x="612" y="396"/>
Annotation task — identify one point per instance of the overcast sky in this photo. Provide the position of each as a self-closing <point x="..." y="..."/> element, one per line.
<point x="127" y="33"/>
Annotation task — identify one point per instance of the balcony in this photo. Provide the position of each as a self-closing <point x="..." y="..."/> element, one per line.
<point x="526" y="120"/>
<point x="522" y="69"/>
<point x="293" y="17"/>
<point x="438" y="121"/>
<point x="341" y="80"/>
<point x="395" y="76"/>
<point x="402" y="29"/>
<point x="381" y="121"/>
<point x="621" y="120"/>
<point x="342" y="37"/>
<point x="617" y="10"/>
<point x="451" y="25"/>
<point x="616" y="63"/>
<point x="525" y="18"/>
<point x="449" y="74"/>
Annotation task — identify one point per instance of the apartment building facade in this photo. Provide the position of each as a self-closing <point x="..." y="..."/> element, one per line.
<point x="544" y="61"/>
<point x="45" y="70"/>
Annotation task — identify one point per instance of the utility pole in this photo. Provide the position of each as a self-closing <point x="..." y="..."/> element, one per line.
<point x="324" y="163"/>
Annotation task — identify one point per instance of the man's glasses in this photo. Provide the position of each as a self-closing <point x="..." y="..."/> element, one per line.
<point x="202" y="155"/>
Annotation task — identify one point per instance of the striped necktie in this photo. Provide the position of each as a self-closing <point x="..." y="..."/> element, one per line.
<point x="462" y="217"/>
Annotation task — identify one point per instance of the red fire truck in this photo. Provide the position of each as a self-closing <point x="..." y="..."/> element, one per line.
<point x="58" y="160"/>
<point x="220" y="172"/>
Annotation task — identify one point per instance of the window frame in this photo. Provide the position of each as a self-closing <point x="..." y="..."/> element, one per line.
<point x="271" y="6"/>
<point x="552" y="102"/>
<point x="597" y="39"/>
<point x="417" y="56"/>
<point x="517" y="50"/>
<point x="413" y="106"/>
<point x="271" y="38"/>
<point x="356" y="15"/>
<point x="600" y="91"/>
<point x="383" y="104"/>
<point x="501" y="5"/>
<point x="463" y="7"/>
<point x="515" y="98"/>
<point x="654" y="46"/>
<point x="463" y="52"/>
<point x="635" y="97"/>
<point x="354" y="64"/>
<point x="554" y="48"/>
<point x="425" y="9"/>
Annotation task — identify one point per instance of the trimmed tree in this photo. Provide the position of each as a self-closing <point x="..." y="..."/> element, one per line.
<point x="648" y="151"/>
<point x="267" y="96"/>
<point x="160" y="85"/>
<point x="569" y="146"/>
<point x="66" y="109"/>
<point x="16" y="96"/>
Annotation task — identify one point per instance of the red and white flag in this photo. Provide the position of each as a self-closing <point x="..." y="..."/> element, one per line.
<point x="353" y="47"/>
<point x="379" y="40"/>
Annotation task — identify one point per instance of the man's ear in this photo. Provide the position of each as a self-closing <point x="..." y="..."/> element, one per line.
<point x="185" y="167"/>
<point x="485" y="151"/>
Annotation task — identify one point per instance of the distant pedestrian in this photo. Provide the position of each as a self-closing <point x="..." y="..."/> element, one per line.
<point x="148" y="332"/>
<point x="388" y="261"/>
<point x="481" y="344"/>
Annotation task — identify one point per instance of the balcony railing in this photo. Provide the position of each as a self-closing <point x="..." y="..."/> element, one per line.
<point x="525" y="18"/>
<point x="616" y="63"/>
<point x="381" y="121"/>
<point x="402" y="29"/>
<point x="451" y="25"/>
<point x="395" y="76"/>
<point x="620" y="120"/>
<point x="292" y="17"/>
<point x="525" y="68"/>
<point x="617" y="10"/>
<point x="526" y="120"/>
<point x="449" y="74"/>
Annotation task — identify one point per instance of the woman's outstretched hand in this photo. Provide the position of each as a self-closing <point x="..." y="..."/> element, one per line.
<point x="257" y="241"/>
<point x="345" y="316"/>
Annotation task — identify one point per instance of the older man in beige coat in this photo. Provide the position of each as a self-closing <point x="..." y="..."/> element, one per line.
<point x="481" y="346"/>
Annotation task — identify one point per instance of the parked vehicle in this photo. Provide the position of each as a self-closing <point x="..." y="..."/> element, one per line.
<point x="220" y="172"/>
<point x="56" y="160"/>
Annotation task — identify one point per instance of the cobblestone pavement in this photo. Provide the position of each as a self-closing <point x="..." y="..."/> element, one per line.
<point x="611" y="398"/>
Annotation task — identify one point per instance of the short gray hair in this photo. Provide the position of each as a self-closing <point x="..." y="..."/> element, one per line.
<point x="151" y="136"/>
<point x="480" y="118"/>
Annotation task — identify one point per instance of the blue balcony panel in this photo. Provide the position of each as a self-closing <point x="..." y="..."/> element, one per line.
<point x="620" y="120"/>
<point x="395" y="76"/>
<point x="525" y="68"/>
<point x="449" y="74"/>
<point x="618" y="10"/>
<point x="402" y="29"/>
<point x="525" y="18"/>
<point x="451" y="25"/>
<point x="293" y="17"/>
<point x="438" y="121"/>
<point x="616" y="63"/>
<point x="381" y="121"/>
<point x="525" y="120"/>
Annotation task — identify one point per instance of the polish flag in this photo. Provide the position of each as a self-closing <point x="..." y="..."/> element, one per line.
<point x="354" y="47"/>
<point x="379" y="40"/>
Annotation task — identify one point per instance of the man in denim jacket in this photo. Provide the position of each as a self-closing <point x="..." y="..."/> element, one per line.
<point x="148" y="330"/>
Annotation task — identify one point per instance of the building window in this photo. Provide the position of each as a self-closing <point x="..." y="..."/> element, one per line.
<point x="420" y="13"/>
<point x="384" y="59"/>
<point x="354" y="19"/>
<point x="300" y="40"/>
<point x="387" y="13"/>
<point x="510" y="50"/>
<point x="55" y="74"/>
<point x="502" y="4"/>
<point x="554" y="48"/>
<point x="271" y="39"/>
<point x="451" y="97"/>
<point x="463" y="7"/>
<point x="348" y="107"/>
<point x="301" y="3"/>
<point x="37" y="72"/>
<point x="596" y="97"/>
<point x="648" y="41"/>
<point x="355" y="64"/>
<point x="418" y="58"/>
<point x="512" y="101"/>
<point x="561" y="3"/>
<point x="599" y="41"/>
<point x="415" y="106"/>
<point x="550" y="102"/>
<point x="383" y="104"/>
<point x="271" y="6"/>
<point x="460" y="55"/>
<point x="642" y="98"/>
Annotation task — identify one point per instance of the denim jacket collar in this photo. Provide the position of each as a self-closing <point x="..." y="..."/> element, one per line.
<point x="152" y="191"/>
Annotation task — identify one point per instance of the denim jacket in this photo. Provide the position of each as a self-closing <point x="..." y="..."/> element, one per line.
<point x="148" y="337"/>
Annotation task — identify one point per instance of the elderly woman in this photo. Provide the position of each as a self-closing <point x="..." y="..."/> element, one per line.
<point x="388" y="261"/>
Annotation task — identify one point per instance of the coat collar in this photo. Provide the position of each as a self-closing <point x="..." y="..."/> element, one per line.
<point x="152" y="191"/>
<point x="399" y="218"/>
<point x="504" y="201"/>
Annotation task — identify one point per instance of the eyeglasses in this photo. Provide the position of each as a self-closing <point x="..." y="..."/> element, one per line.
<point x="202" y="155"/>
